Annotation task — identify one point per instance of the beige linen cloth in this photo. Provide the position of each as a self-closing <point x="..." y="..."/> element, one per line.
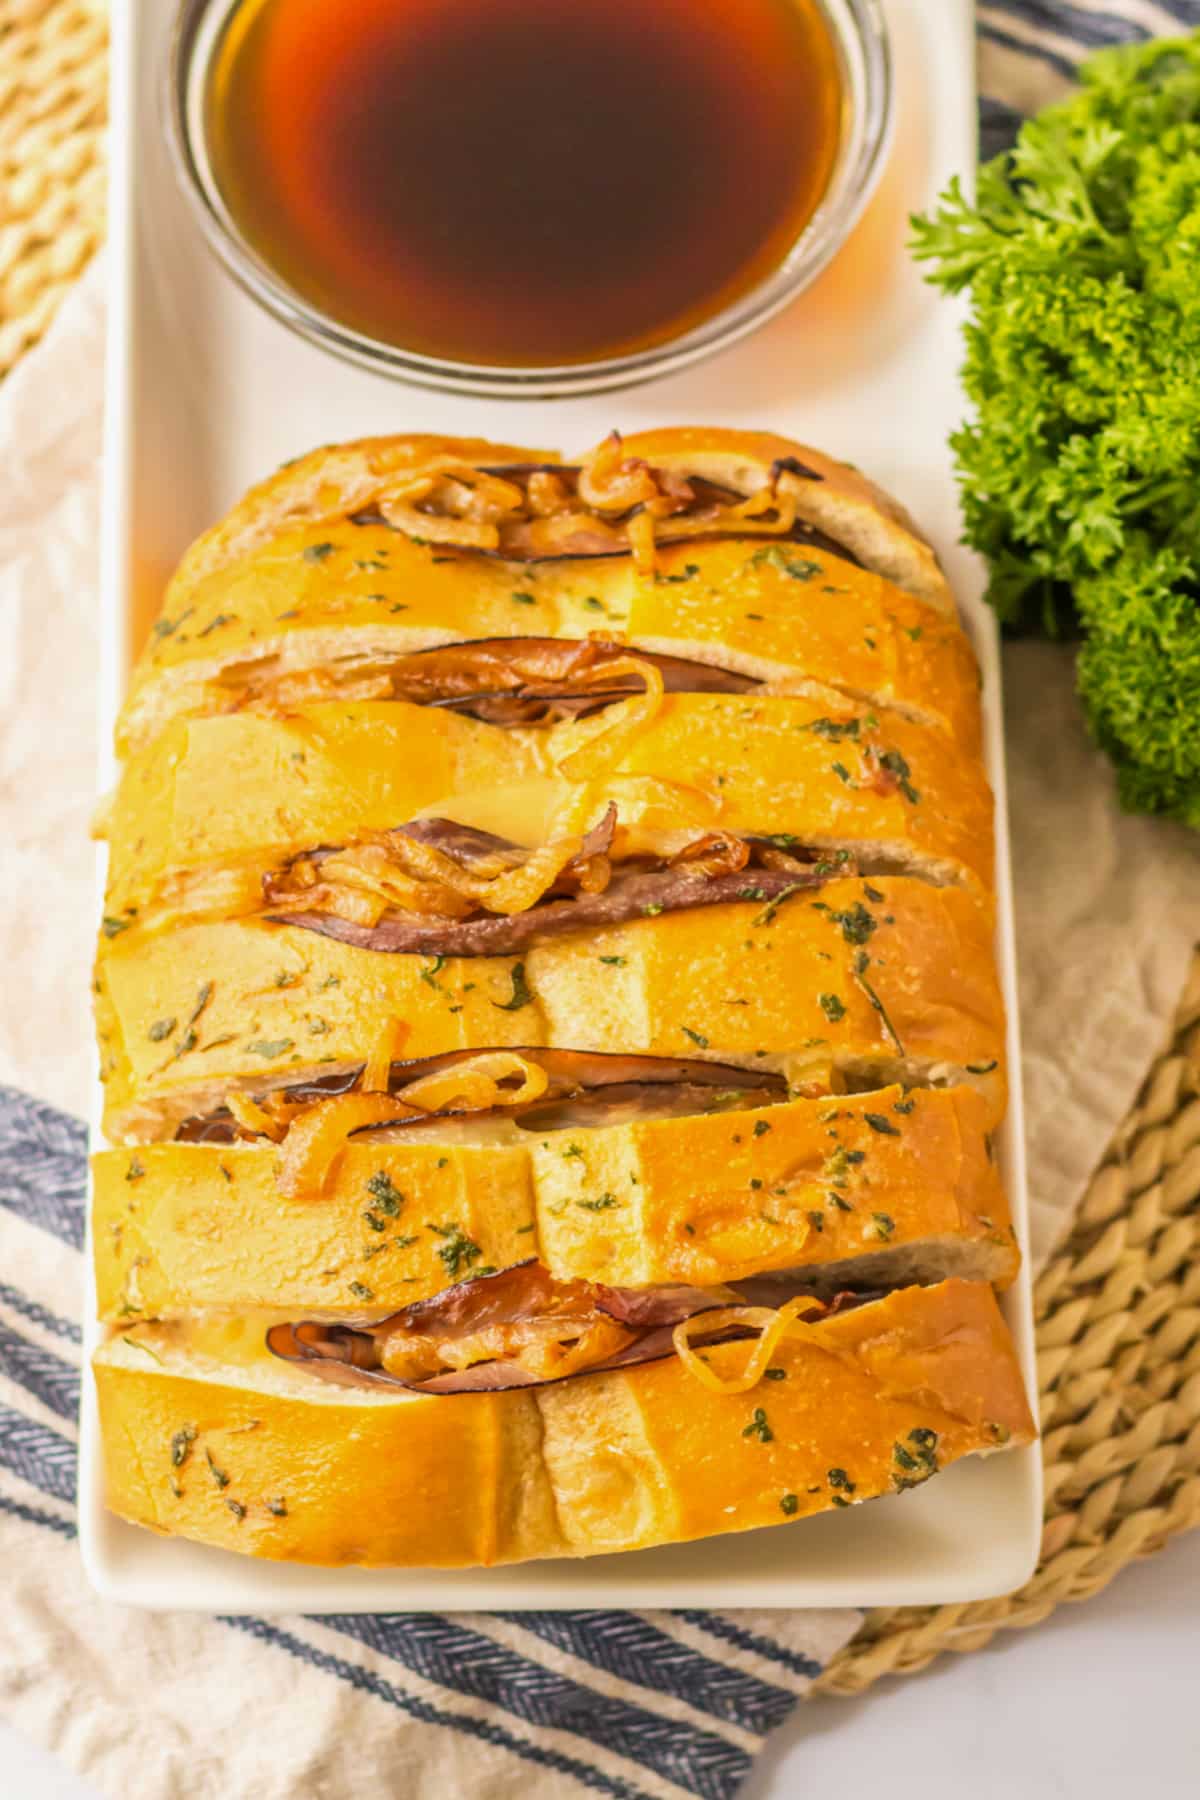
<point x="1106" y="919"/>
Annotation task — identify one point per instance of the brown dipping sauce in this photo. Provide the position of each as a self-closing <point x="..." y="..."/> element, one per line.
<point x="523" y="182"/>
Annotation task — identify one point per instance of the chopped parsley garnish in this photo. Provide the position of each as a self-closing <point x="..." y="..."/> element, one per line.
<point x="458" y="1252"/>
<point x="697" y="1037"/>
<point x="616" y="962"/>
<point x="834" y="729"/>
<point x="798" y="567"/>
<point x="181" y="1445"/>
<point x="136" y="1169"/>
<point x="884" y="1225"/>
<point x="856" y="922"/>
<point x="521" y="995"/>
<point x="524" y="599"/>
<point x="219" y="1476"/>
<point x="269" y="1047"/>
<point x="316" y="553"/>
<point x="879" y="1123"/>
<point x="895" y="764"/>
<point x="604" y="1204"/>
<point x="113" y="927"/>
<point x="758" y="1427"/>
<point x="789" y="1504"/>
<point x="387" y="1197"/>
<point x="761" y="1127"/>
<point x="833" y="1008"/>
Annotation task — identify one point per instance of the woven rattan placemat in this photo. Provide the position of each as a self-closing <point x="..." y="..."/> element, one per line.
<point x="1118" y="1307"/>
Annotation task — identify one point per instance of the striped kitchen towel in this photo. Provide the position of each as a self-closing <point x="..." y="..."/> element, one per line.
<point x="543" y="1706"/>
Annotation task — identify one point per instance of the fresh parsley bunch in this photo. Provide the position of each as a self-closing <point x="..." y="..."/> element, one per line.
<point x="1080" y="471"/>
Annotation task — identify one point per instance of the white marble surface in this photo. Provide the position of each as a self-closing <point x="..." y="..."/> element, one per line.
<point x="1097" y="1703"/>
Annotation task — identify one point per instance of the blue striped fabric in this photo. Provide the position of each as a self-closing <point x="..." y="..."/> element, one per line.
<point x="631" y="1706"/>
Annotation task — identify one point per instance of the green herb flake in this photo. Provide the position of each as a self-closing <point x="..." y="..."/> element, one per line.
<point x="761" y="1127"/>
<point x="798" y="568"/>
<point x="884" y="1225"/>
<point x="136" y="1169"/>
<point x="216" y="624"/>
<point x="277" y="1507"/>
<point x="181" y="1445"/>
<point x="386" y="1195"/>
<point x="524" y="599"/>
<point x="834" y="729"/>
<point x="982" y="1068"/>
<point x="113" y="927"/>
<point x="236" y="1508"/>
<point x="520" y="996"/>
<point x="883" y="1125"/>
<point x="458" y="1251"/>
<point x="605" y="1203"/>
<point x="615" y="962"/>
<point x="316" y="553"/>
<point x="895" y="764"/>
<point x="268" y="1048"/>
<point x="774" y="1374"/>
<point x="758" y="1427"/>
<point x="220" y="1478"/>
<point x="833" y="1008"/>
<point x="856" y="922"/>
<point x="697" y="1037"/>
<point x="789" y="1505"/>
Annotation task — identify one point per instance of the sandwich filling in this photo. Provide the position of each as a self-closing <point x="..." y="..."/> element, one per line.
<point x="610" y="505"/>
<point x="520" y="1327"/>
<point x="501" y="681"/>
<point x="434" y="887"/>
<point x="536" y="1089"/>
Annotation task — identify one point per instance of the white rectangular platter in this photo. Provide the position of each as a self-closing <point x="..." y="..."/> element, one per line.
<point x="207" y="393"/>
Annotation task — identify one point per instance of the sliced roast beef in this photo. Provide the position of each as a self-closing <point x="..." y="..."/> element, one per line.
<point x="627" y="897"/>
<point x="655" y="1086"/>
<point x="353" y="1353"/>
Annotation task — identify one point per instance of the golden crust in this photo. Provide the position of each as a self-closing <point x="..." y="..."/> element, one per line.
<point x="254" y="1003"/>
<point x="331" y="482"/>
<point x="262" y="1465"/>
<point x="289" y="566"/>
<point x="868" y="739"/>
<point x="841" y="500"/>
<point x="178" y="1227"/>
<point x="248" y="788"/>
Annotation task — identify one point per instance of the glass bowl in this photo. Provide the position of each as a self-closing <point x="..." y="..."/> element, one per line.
<point x="860" y="37"/>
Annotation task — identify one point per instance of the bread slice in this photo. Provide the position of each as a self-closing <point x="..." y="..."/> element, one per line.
<point x="245" y="790"/>
<point x="226" y="1446"/>
<point x="301" y="574"/>
<point x="792" y="615"/>
<point x="871" y="981"/>
<point x="893" y="1197"/>
<point x="833" y="496"/>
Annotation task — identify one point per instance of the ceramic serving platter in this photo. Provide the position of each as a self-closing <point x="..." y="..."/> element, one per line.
<point x="207" y="393"/>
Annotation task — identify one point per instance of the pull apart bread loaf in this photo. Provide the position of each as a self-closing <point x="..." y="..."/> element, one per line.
<point x="547" y="1012"/>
